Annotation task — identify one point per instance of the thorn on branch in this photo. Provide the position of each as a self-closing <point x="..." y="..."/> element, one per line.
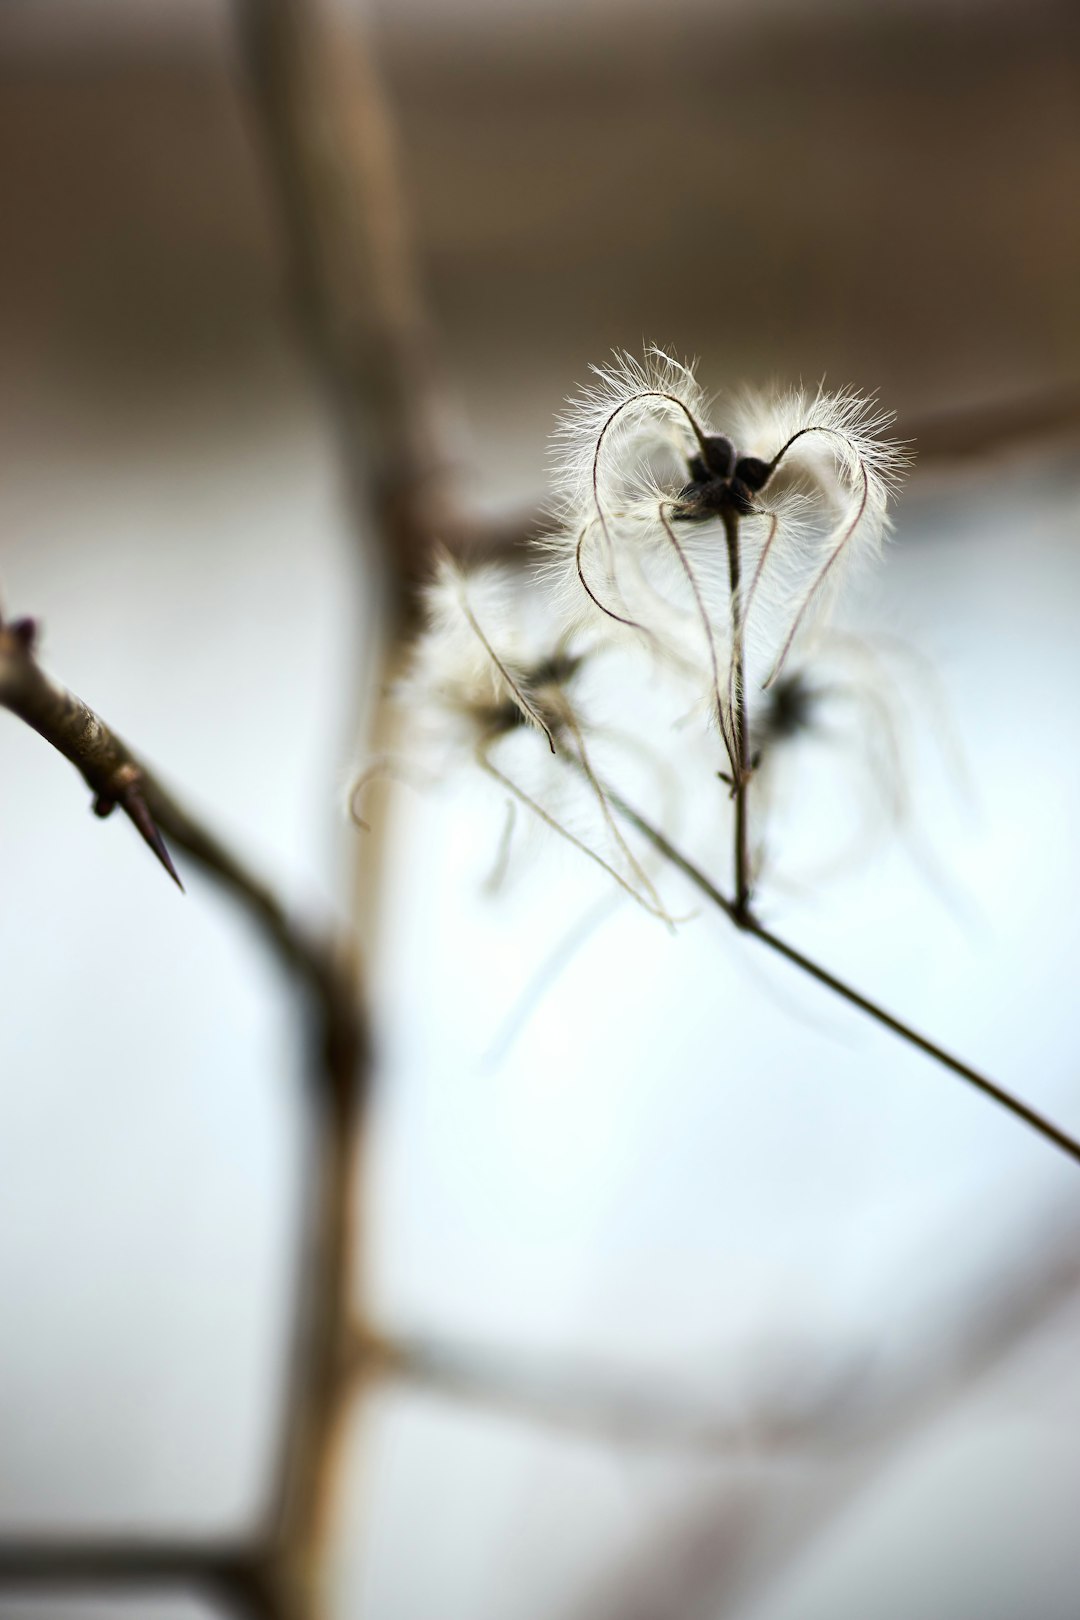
<point x="102" y="760"/>
<point x="138" y="812"/>
<point x="125" y="789"/>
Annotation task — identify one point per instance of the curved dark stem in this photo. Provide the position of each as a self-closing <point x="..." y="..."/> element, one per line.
<point x="529" y="710"/>
<point x="635" y="399"/>
<point x="585" y="765"/>
<point x="722" y="720"/>
<point x="802" y="433"/>
<point x="988" y="1087"/>
<point x="609" y="613"/>
<point x="749" y="924"/>
<point x="819" y="581"/>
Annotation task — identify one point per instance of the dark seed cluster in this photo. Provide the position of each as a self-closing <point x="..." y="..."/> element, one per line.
<point x="721" y="481"/>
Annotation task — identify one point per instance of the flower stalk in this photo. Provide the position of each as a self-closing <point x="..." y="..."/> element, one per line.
<point x="739" y="717"/>
<point x="744" y="919"/>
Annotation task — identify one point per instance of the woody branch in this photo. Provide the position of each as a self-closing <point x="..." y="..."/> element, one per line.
<point x="119" y="780"/>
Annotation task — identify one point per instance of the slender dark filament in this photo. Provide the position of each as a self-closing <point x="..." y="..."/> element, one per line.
<point x="841" y="545"/>
<point x="605" y="809"/>
<point x="527" y="708"/>
<point x="591" y="594"/>
<point x="564" y="832"/>
<point x="706" y="624"/>
<point x="670" y="399"/>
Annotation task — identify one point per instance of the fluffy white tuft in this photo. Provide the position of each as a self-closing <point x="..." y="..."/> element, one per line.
<point x="489" y="671"/>
<point x="626" y="563"/>
<point x="635" y="410"/>
<point x="482" y="635"/>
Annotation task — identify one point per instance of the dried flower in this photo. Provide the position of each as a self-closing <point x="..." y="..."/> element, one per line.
<point x="716" y="548"/>
<point x="490" y="665"/>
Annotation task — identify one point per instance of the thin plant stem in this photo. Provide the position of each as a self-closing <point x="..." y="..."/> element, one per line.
<point x="739" y="716"/>
<point x="672" y="538"/>
<point x="748" y="923"/>
<point x="609" y="613"/>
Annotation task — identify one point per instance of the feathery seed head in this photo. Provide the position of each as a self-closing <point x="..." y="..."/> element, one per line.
<point x="489" y="658"/>
<point x="653" y="499"/>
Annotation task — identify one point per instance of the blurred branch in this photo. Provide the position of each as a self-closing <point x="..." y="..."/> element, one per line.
<point x="968" y="433"/>
<point x="237" y="1576"/>
<point x="1002" y="1327"/>
<point x="338" y="1075"/>
<point x="841" y="1432"/>
<point x="117" y="778"/>
<point x="331" y="151"/>
<point x="844" y="1413"/>
<point x="317" y="1413"/>
<point x="598" y="1401"/>
<point x="847" y="1419"/>
<point x="943" y="441"/>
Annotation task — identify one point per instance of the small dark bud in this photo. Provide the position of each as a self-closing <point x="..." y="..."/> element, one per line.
<point x="753" y="472"/>
<point x="698" y="471"/>
<point x="719" y="455"/>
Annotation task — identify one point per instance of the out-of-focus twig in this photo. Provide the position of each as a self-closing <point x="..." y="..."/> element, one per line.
<point x="945" y="442"/>
<point x="328" y="141"/>
<point x="596" y="1401"/>
<point x="239" y="1576"/>
<point x="338" y="1072"/>
<point x="944" y="438"/>
<point x="333" y="163"/>
<point x="1021" y="1308"/>
<point x="850" y="1412"/>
